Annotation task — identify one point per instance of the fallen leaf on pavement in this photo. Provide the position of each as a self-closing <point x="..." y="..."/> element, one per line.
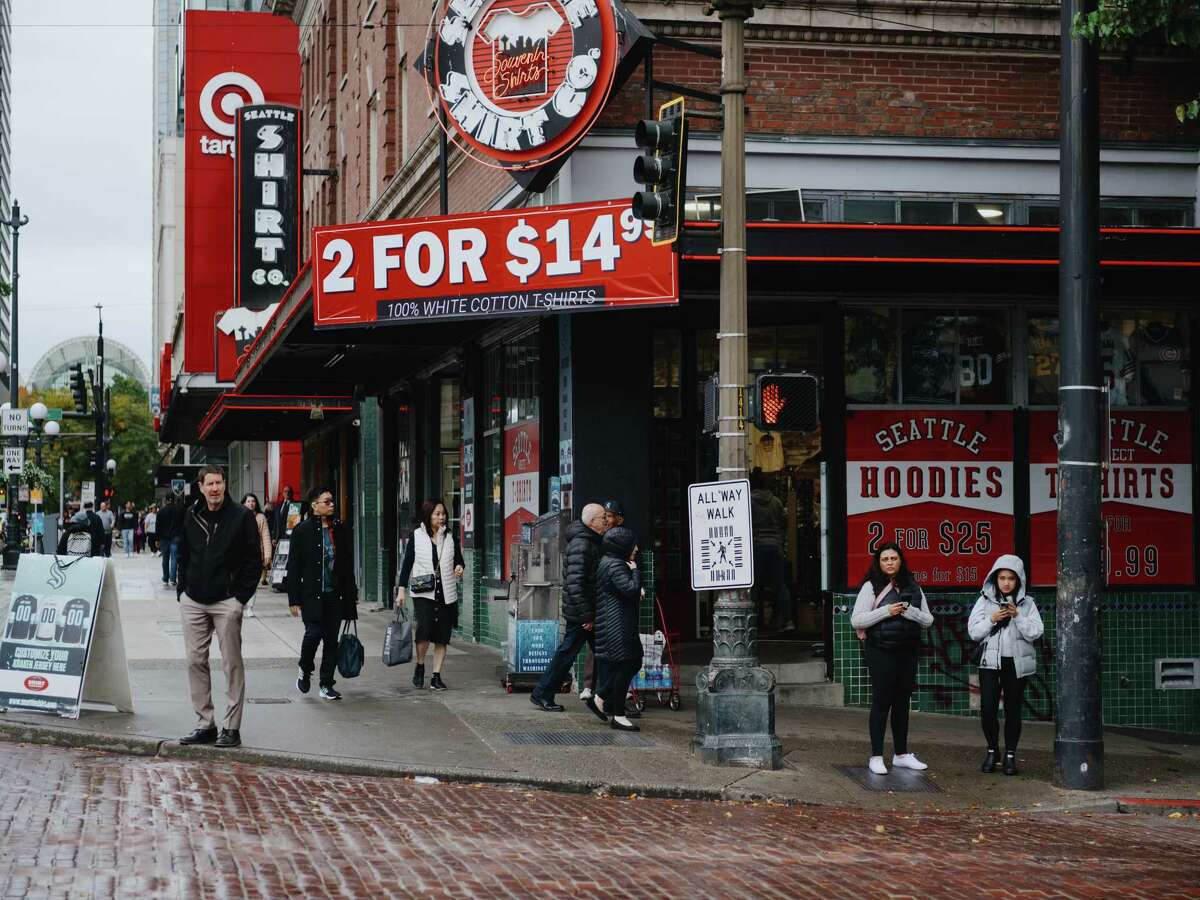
<point x="880" y="829"/>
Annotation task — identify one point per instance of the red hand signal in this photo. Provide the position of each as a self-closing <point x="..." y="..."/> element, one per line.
<point x="772" y="403"/>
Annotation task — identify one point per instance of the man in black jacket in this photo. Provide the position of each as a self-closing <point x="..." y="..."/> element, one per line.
<point x="578" y="604"/>
<point x="220" y="558"/>
<point x="321" y="588"/>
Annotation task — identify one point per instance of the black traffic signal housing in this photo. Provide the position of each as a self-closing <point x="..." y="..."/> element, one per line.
<point x="786" y="401"/>
<point x="78" y="388"/>
<point x="663" y="171"/>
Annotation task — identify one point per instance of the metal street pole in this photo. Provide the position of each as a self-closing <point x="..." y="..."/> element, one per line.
<point x="735" y="712"/>
<point x="1079" y="720"/>
<point x="14" y="525"/>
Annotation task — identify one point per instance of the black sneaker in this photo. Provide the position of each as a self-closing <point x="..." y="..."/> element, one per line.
<point x="304" y="682"/>
<point x="229" y="737"/>
<point x="328" y="693"/>
<point x="419" y="676"/>
<point x="436" y="683"/>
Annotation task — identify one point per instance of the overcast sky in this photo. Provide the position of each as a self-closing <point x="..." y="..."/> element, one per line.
<point x="82" y="134"/>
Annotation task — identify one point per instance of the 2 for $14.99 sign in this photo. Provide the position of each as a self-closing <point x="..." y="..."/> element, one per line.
<point x="481" y="265"/>
<point x="937" y="482"/>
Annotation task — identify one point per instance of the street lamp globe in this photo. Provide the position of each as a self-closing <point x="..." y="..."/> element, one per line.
<point x="51" y="428"/>
<point x="38" y="411"/>
<point x="111" y="465"/>
<point x="5" y="405"/>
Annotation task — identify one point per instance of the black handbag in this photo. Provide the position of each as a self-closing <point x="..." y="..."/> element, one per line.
<point x="422" y="584"/>
<point x="350" y="652"/>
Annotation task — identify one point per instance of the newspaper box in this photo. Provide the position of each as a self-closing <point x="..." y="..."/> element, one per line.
<point x="534" y="601"/>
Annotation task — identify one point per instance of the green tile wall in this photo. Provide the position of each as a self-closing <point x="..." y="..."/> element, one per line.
<point x="1137" y="629"/>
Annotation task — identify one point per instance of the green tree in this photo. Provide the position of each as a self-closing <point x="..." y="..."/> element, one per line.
<point x="1124" y="25"/>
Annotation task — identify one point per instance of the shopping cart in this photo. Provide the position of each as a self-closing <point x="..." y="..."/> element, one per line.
<point x="659" y="673"/>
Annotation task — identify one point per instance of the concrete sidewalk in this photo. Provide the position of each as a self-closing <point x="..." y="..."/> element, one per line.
<point x="386" y="726"/>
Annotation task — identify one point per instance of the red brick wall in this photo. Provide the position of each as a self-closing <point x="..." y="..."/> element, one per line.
<point x="809" y="90"/>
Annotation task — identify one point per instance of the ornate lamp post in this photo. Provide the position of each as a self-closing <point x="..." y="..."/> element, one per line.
<point x="735" y="712"/>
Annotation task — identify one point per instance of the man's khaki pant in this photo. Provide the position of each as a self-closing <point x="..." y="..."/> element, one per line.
<point x="200" y="620"/>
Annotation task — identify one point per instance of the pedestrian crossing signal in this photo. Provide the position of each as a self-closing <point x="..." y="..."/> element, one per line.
<point x="787" y="401"/>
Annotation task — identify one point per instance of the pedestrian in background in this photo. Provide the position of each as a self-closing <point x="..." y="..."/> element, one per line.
<point x="1006" y="621"/>
<point x="432" y="564"/>
<point x="579" y="563"/>
<point x="127" y="523"/>
<point x="281" y="514"/>
<point x="167" y="524"/>
<point x="890" y="614"/>
<point x="219" y="561"/>
<point x="107" y="519"/>
<point x="618" y="633"/>
<point x="321" y="588"/>
<point x="151" y="525"/>
<point x="769" y="526"/>
<point x="250" y="501"/>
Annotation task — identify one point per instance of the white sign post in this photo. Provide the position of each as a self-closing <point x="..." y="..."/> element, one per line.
<point x="14" y="460"/>
<point x="14" y="422"/>
<point x="721" y="535"/>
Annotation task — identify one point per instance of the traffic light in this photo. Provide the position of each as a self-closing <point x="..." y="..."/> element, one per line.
<point x="663" y="170"/>
<point x="787" y="401"/>
<point x="78" y="389"/>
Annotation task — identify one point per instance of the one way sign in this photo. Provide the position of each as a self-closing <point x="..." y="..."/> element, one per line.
<point x="721" y="535"/>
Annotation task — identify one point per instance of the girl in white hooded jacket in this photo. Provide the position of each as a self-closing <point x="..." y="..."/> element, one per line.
<point x="1007" y="622"/>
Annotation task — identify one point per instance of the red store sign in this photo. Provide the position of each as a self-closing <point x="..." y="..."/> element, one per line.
<point x="937" y="482"/>
<point x="1147" y="498"/>
<point x="481" y="265"/>
<point x="231" y="59"/>
<point x="522" y="481"/>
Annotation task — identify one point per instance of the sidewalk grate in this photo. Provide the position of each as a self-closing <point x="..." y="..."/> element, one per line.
<point x="897" y="780"/>
<point x="575" y="739"/>
<point x="268" y="700"/>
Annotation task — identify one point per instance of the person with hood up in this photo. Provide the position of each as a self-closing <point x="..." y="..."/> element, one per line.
<point x="618" y="637"/>
<point x="1006" y="621"/>
<point x="580" y="559"/>
<point x="890" y="613"/>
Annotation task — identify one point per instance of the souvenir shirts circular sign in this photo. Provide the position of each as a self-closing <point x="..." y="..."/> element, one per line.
<point x="522" y="81"/>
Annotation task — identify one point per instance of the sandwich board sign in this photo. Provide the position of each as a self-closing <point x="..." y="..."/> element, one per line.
<point x="722" y="542"/>
<point x="62" y="643"/>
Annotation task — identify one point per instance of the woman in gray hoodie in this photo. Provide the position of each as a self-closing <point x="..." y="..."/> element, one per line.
<point x="1006" y="622"/>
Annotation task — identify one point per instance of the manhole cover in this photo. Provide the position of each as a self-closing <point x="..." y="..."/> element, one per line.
<point x="899" y="780"/>
<point x="268" y="700"/>
<point x="575" y="739"/>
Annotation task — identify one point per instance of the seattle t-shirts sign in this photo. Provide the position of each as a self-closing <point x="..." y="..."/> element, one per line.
<point x="1146" y="498"/>
<point x="937" y="482"/>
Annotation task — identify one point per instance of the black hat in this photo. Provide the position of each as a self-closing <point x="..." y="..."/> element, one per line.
<point x="619" y="541"/>
<point x="614" y="507"/>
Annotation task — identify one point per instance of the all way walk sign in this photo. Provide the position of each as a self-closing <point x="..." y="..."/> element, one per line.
<point x="722" y="540"/>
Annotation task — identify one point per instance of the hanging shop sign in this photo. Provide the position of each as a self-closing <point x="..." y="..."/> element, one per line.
<point x="521" y="82"/>
<point x="1146" y="500"/>
<point x="268" y="214"/>
<point x="489" y="265"/>
<point x="522" y="495"/>
<point x="937" y="482"/>
<point x="232" y="59"/>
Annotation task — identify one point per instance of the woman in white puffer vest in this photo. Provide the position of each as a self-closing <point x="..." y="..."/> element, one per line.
<point x="432" y="565"/>
<point x="1007" y="622"/>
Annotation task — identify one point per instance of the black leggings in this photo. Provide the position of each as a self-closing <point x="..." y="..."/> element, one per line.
<point x="991" y="684"/>
<point x="893" y="676"/>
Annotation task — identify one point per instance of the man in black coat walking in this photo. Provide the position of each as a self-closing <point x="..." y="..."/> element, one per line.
<point x="578" y="604"/>
<point x="321" y="588"/>
<point x="220" y="558"/>
<point x="167" y="528"/>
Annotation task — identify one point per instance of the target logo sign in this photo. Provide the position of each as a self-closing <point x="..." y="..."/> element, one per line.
<point x="220" y="99"/>
<point x="521" y="81"/>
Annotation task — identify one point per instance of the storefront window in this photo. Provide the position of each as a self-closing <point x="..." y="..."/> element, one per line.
<point x="1145" y="357"/>
<point x="522" y="379"/>
<point x="870" y="356"/>
<point x="940" y="357"/>
<point x="668" y="356"/>
<point x="492" y="458"/>
<point x="450" y="427"/>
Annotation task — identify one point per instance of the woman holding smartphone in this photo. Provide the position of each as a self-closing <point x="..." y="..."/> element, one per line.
<point x="1006" y="621"/>
<point x="890" y="614"/>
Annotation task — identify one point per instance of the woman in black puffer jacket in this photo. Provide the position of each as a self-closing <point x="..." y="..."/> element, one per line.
<point x="618" y="641"/>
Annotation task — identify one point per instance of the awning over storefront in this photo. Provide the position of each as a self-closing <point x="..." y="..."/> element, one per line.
<point x="192" y="396"/>
<point x="271" y="417"/>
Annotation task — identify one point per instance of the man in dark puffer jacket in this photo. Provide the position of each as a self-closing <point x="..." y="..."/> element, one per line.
<point x="578" y="604"/>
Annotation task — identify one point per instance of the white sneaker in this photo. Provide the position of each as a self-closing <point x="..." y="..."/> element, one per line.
<point x="908" y="761"/>
<point x="585" y="693"/>
<point x="875" y="764"/>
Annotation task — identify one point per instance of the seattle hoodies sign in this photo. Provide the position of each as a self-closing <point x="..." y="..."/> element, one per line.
<point x="938" y="482"/>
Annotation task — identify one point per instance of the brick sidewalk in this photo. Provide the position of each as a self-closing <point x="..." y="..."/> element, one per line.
<point x="84" y="824"/>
